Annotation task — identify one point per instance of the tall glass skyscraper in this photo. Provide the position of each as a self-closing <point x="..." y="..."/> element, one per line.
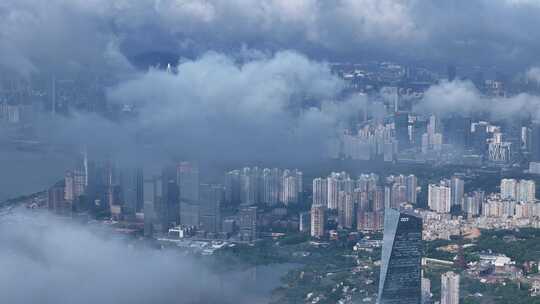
<point x="400" y="278"/>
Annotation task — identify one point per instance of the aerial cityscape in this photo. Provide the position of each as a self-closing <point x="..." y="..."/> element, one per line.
<point x="269" y="151"/>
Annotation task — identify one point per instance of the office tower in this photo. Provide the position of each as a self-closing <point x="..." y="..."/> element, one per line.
<point x="457" y="186"/>
<point x="187" y="177"/>
<point x="320" y="192"/>
<point x="458" y="131"/>
<point x="439" y="198"/>
<point x="154" y="192"/>
<point x="535" y="141"/>
<point x="346" y="210"/>
<point x="400" y="277"/>
<point x="171" y="195"/>
<point x="232" y="187"/>
<point x="248" y="223"/>
<point x="450" y="288"/>
<point x="479" y="136"/>
<point x="132" y="190"/>
<point x="411" y="183"/>
<point x="401" y="125"/>
<point x="188" y="181"/>
<point x="211" y="197"/>
<point x="153" y="219"/>
<point x="149" y="218"/>
<point x="426" y="291"/>
<point x="509" y="188"/>
<point x="418" y="130"/>
<point x="526" y="191"/>
<point x="318" y="221"/>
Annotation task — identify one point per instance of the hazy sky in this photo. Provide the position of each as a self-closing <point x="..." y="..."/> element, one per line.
<point x="61" y="34"/>
<point x="246" y="66"/>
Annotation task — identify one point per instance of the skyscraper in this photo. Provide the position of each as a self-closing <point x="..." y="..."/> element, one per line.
<point x="400" y="277"/>
<point x="509" y="188"/>
<point x="249" y="186"/>
<point x="333" y="190"/>
<point x="270" y="186"/>
<point x="211" y="197"/>
<point x="457" y="189"/>
<point x="132" y="185"/>
<point x="232" y="187"/>
<point x="439" y="198"/>
<point x="535" y="142"/>
<point x="320" y="190"/>
<point x="401" y="125"/>
<point x="290" y="184"/>
<point x="450" y="288"/>
<point x="188" y="181"/>
<point x="188" y="186"/>
<point x="412" y="183"/>
<point x="346" y="210"/>
<point x="526" y="191"/>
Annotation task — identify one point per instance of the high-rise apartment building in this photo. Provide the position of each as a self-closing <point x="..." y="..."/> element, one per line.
<point x="346" y="210"/>
<point x="318" y="221"/>
<point x="508" y="188"/>
<point x="457" y="188"/>
<point x="320" y="192"/>
<point x="411" y="184"/>
<point x="439" y="198"/>
<point x="526" y="191"/>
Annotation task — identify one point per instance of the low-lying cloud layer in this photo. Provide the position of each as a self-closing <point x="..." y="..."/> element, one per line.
<point x="462" y="97"/>
<point x="54" y="261"/>
<point x="281" y="107"/>
<point x="59" y="35"/>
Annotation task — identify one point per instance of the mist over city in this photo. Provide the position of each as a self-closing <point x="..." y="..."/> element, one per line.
<point x="269" y="151"/>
